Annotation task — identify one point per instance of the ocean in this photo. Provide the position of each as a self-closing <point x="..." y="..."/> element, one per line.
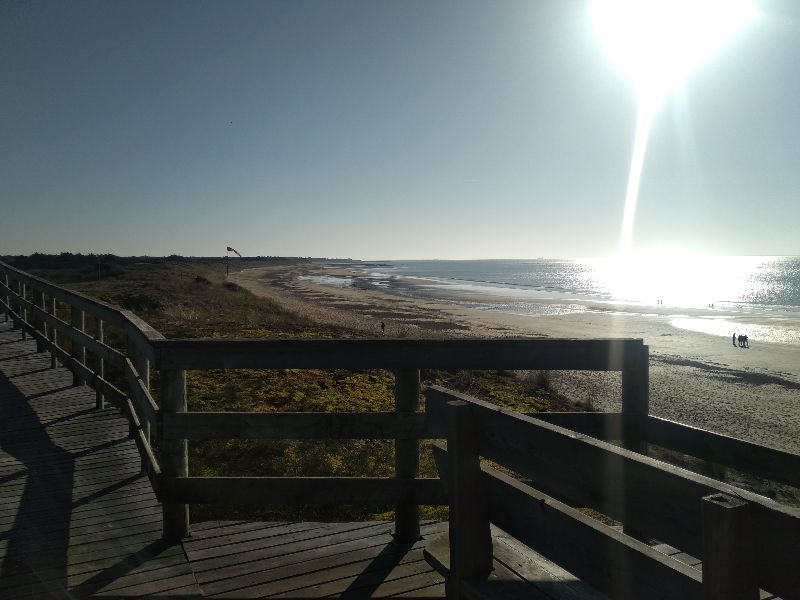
<point x="760" y="295"/>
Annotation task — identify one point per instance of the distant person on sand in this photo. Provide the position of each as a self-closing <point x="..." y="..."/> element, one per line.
<point x="383" y="327"/>
<point x="739" y="338"/>
<point x="734" y="338"/>
<point x="745" y="342"/>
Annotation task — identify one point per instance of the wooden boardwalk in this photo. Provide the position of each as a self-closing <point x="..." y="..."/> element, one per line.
<point x="78" y="520"/>
<point x="311" y="560"/>
<point x="76" y="517"/>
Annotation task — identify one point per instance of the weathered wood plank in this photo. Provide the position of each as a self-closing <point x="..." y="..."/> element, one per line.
<point x="606" y="559"/>
<point x="301" y="490"/>
<point x="377" y="425"/>
<point x="352" y="579"/>
<point x="550" y="578"/>
<point x="141" y="396"/>
<point x="603" y="426"/>
<point x="471" y="548"/>
<point x="768" y="463"/>
<point x="664" y="500"/>
<point x="81" y="372"/>
<point x="594" y="355"/>
<point x="406" y="450"/>
<point x="329" y="550"/>
<point x="233" y="548"/>
<point x="744" y="456"/>
<point x="728" y="563"/>
<point x="142" y="335"/>
<point x="173" y="456"/>
<point x="96" y="308"/>
<point x="95" y="346"/>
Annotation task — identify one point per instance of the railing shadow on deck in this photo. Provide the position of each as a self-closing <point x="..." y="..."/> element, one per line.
<point x="46" y="498"/>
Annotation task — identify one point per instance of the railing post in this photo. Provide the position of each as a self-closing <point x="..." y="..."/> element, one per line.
<point x="39" y="321"/>
<point x="635" y="410"/>
<point x="142" y="366"/>
<point x="470" y="533"/>
<point x="99" y="335"/>
<point x="729" y="571"/>
<point x="406" y="395"/>
<point x="43" y="321"/>
<point x="77" y="320"/>
<point x="173" y="455"/>
<point x="6" y="316"/>
<point x="14" y="303"/>
<point x="22" y="311"/>
<point x="54" y="339"/>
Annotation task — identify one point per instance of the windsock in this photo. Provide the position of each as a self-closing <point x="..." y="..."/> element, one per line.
<point x="234" y="250"/>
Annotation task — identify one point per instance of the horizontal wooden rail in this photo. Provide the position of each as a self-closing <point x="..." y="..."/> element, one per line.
<point x="149" y="461"/>
<point x="141" y="333"/>
<point x="113" y="393"/>
<point x="588" y="355"/>
<point x="768" y="463"/>
<point x="299" y="426"/>
<point x="611" y="562"/>
<point x="603" y="426"/>
<point x="664" y="501"/>
<point x="141" y="396"/>
<point x="322" y="491"/>
<point x="113" y="356"/>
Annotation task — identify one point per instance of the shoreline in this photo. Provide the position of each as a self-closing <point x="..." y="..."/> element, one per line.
<point x="695" y="378"/>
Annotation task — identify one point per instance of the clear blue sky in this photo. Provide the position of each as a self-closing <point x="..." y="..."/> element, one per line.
<point x="414" y="129"/>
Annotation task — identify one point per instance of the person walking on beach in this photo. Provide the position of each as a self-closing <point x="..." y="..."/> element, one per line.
<point x="734" y="338"/>
<point x="383" y="328"/>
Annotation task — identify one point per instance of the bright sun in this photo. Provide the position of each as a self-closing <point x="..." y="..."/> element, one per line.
<point x="657" y="42"/>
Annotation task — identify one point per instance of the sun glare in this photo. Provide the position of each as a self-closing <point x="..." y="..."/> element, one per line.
<point x="658" y="42"/>
<point x="675" y="278"/>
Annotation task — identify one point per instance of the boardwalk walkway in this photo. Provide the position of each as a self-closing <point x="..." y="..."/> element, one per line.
<point x="77" y="520"/>
<point x="76" y="517"/>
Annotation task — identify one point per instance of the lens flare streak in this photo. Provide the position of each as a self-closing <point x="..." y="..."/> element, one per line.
<point x="644" y="123"/>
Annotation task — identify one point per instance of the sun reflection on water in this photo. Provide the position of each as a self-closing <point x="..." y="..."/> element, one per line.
<point x="679" y="280"/>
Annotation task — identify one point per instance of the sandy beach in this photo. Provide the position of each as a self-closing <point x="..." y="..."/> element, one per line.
<point x="695" y="378"/>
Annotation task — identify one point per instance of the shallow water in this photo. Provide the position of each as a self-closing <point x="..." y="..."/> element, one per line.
<point x="756" y="296"/>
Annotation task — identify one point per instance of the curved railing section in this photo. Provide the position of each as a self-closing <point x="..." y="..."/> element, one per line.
<point x="52" y="315"/>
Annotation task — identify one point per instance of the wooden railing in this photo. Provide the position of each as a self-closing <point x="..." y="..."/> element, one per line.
<point x="564" y="463"/>
<point x="745" y="540"/>
<point x="52" y="314"/>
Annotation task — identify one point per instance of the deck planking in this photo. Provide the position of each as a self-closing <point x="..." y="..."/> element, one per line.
<point x="77" y="518"/>
<point x="311" y="560"/>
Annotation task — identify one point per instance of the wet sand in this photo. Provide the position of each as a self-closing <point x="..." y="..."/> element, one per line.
<point x="695" y="378"/>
